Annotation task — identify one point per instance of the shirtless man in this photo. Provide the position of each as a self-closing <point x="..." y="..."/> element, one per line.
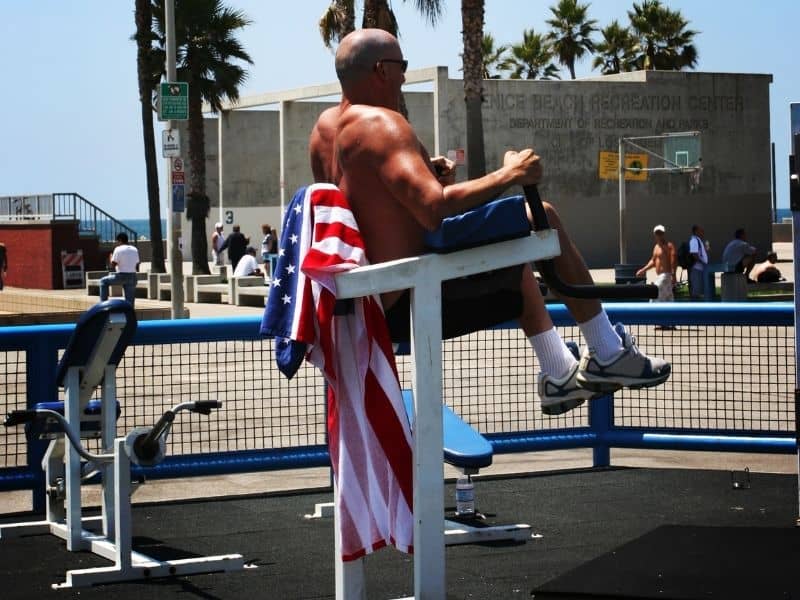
<point x="398" y="193"/>
<point x="665" y="261"/>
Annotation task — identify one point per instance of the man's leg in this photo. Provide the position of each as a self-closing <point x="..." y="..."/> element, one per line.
<point x="105" y="283"/>
<point x="612" y="360"/>
<point x="129" y="287"/>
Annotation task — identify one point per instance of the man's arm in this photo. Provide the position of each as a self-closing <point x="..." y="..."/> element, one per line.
<point x="673" y="261"/>
<point x="394" y="151"/>
<point x="648" y="266"/>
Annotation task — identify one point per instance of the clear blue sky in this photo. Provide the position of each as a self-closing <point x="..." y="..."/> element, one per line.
<point x="70" y="112"/>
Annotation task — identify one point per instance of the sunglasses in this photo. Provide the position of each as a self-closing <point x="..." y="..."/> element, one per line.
<point x="402" y="62"/>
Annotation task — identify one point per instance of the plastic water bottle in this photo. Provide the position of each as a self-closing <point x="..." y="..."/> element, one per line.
<point x="465" y="496"/>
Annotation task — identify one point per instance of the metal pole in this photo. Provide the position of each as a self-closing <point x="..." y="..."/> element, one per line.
<point x="173" y="218"/>
<point x="219" y="162"/>
<point x="794" y="204"/>
<point x="623" y="257"/>
<point x="282" y="147"/>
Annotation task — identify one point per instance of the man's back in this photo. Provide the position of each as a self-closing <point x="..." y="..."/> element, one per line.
<point x="126" y="258"/>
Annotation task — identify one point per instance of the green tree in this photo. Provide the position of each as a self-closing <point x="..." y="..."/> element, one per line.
<point x="493" y="57"/>
<point x="572" y="31"/>
<point x="208" y="54"/>
<point x="616" y="52"/>
<point x="143" y="16"/>
<point x="532" y="58"/>
<point x="663" y="40"/>
<point x="339" y="19"/>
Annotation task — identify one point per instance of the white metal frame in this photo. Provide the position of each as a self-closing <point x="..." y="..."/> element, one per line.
<point x="423" y="275"/>
<point x="63" y="474"/>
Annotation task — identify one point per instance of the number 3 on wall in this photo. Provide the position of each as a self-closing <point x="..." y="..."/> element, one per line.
<point x="228" y="217"/>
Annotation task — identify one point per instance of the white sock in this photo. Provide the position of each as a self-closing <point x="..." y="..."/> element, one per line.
<point x="600" y="336"/>
<point x="555" y="358"/>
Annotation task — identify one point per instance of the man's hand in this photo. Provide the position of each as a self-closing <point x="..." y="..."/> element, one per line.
<point x="445" y="169"/>
<point x="526" y="165"/>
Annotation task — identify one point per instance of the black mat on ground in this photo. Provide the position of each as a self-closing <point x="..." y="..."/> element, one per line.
<point x="582" y="516"/>
<point x="689" y="562"/>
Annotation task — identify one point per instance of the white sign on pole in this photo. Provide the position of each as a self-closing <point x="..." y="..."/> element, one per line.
<point x="171" y="143"/>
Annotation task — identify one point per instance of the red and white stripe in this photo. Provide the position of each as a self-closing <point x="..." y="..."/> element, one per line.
<point x="369" y="434"/>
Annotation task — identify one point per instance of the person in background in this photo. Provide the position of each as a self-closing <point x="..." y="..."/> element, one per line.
<point x="699" y="250"/>
<point x="740" y="254"/>
<point x="664" y="260"/>
<point x="266" y="245"/>
<point x="125" y="260"/>
<point x="3" y="263"/>
<point x="767" y="272"/>
<point x="217" y="241"/>
<point x="247" y="265"/>
<point x="236" y="245"/>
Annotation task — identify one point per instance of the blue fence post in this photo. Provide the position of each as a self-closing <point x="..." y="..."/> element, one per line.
<point x="601" y="420"/>
<point x="41" y="362"/>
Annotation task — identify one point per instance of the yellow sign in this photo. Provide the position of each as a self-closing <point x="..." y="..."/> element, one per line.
<point x="608" y="166"/>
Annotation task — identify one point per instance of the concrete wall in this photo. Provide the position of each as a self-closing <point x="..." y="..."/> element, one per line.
<point x="569" y="123"/>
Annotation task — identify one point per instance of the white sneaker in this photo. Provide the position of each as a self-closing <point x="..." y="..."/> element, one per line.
<point x="558" y="396"/>
<point x="631" y="368"/>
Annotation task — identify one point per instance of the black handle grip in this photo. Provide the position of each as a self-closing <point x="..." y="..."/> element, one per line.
<point x="18" y="417"/>
<point x="204" y="407"/>
<point x="547" y="268"/>
<point x="147" y="446"/>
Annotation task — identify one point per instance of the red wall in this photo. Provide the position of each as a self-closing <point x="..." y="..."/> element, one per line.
<point x="34" y="253"/>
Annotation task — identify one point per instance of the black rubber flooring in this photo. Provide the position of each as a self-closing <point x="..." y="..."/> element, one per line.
<point x="620" y="533"/>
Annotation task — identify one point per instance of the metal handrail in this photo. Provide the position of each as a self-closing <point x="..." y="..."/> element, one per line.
<point x="91" y="218"/>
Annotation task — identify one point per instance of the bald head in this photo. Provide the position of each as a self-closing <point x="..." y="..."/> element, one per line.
<point x="360" y="50"/>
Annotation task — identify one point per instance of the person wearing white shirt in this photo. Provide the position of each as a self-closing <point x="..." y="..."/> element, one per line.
<point x="247" y="265"/>
<point x="697" y="248"/>
<point x="125" y="260"/>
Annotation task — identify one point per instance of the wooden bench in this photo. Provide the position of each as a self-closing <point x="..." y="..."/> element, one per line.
<point x="93" y="284"/>
<point x="251" y="290"/>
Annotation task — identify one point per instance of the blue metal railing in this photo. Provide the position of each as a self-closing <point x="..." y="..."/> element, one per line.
<point x="41" y="346"/>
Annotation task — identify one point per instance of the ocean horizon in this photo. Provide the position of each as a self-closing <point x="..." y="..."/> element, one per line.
<point x="142" y="227"/>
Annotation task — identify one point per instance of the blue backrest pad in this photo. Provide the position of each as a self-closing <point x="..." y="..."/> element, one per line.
<point x="88" y="330"/>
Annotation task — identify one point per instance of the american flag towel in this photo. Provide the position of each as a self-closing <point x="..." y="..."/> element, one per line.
<point x="369" y="437"/>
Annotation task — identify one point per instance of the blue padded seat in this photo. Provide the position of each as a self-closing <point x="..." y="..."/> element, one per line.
<point x="50" y="427"/>
<point x="464" y="446"/>
<point x="88" y="329"/>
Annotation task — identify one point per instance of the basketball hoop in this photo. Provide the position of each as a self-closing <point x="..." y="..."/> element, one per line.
<point x="677" y="152"/>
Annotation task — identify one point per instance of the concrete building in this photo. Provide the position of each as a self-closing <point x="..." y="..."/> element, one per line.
<point x="259" y="151"/>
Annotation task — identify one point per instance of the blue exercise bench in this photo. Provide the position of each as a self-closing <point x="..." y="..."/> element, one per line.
<point x="89" y="362"/>
<point x="467" y="450"/>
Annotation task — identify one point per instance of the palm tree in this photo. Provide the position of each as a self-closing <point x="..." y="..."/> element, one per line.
<point x="143" y="16"/>
<point x="205" y="46"/>
<point x="339" y="20"/>
<point x="532" y="59"/>
<point x="493" y="57"/>
<point x="663" y="41"/>
<point x="472" y="65"/>
<point x="572" y="30"/>
<point x="615" y="53"/>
